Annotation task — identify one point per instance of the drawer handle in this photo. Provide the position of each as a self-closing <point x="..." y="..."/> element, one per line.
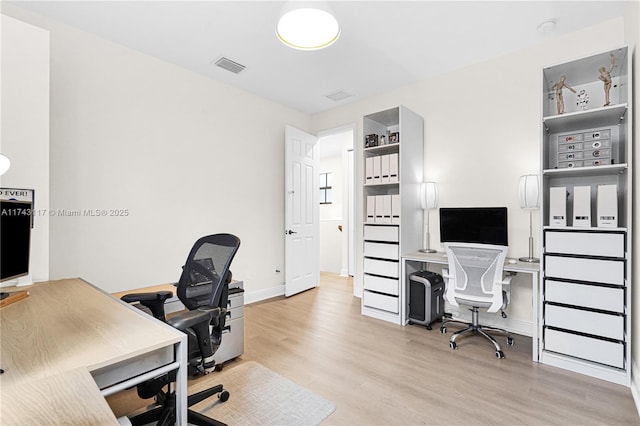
<point x="226" y="330"/>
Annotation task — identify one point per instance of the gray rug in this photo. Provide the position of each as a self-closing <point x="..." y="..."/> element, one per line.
<point x="261" y="397"/>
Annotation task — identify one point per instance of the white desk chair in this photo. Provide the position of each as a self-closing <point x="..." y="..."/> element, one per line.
<point x="475" y="278"/>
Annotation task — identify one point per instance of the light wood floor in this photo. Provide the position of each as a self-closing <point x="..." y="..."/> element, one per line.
<point x="383" y="374"/>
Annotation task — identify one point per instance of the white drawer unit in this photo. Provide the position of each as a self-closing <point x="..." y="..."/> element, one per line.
<point x="588" y="348"/>
<point x="584" y="269"/>
<point x="586" y="243"/>
<point x="381" y="284"/>
<point x="380" y="301"/>
<point x="381" y="233"/>
<point x="599" y="324"/>
<point x="585" y="301"/>
<point x="589" y="296"/>
<point x="381" y="250"/>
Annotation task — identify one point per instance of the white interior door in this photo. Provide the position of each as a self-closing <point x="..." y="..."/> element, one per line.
<point x="302" y="224"/>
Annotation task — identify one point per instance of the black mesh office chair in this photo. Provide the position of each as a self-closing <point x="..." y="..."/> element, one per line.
<point x="203" y="289"/>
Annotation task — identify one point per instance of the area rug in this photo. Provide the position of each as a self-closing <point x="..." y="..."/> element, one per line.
<point x="261" y="397"/>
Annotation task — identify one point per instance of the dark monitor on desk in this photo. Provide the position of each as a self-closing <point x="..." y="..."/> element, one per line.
<point x="15" y="239"/>
<point x="482" y="225"/>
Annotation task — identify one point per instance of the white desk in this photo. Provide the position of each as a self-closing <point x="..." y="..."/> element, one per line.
<point x="412" y="262"/>
<point x="68" y="332"/>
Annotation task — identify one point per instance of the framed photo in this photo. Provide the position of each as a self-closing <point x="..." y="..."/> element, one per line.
<point x="394" y="137"/>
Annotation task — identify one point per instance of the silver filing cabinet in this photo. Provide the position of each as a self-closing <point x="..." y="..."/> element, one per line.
<point x="232" y="345"/>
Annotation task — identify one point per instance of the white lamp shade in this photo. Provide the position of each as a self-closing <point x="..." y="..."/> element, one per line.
<point x="428" y="195"/>
<point x="308" y="29"/>
<point x="5" y="163"/>
<point x="529" y="191"/>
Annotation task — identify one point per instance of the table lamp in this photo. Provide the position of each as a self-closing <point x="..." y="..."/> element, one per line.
<point x="428" y="201"/>
<point x="529" y="192"/>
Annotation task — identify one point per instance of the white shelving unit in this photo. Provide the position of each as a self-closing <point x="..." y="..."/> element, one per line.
<point x="392" y="222"/>
<point x="586" y="270"/>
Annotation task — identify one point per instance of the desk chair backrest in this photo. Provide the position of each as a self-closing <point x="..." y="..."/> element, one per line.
<point x="475" y="275"/>
<point x="205" y="275"/>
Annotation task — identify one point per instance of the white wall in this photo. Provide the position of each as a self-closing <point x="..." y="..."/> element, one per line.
<point x="184" y="155"/>
<point x="482" y="132"/>
<point x="25" y="128"/>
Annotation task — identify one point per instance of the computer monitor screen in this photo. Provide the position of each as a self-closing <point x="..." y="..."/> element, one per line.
<point x="482" y="225"/>
<point x="15" y="239"/>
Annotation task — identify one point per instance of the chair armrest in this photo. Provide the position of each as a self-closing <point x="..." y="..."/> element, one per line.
<point x="189" y="319"/>
<point x="506" y="287"/>
<point x="217" y="315"/>
<point x="153" y="301"/>
<point x="506" y="281"/>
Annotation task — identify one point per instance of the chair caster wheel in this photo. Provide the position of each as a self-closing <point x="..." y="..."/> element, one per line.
<point x="218" y="367"/>
<point x="443" y="330"/>
<point x="223" y="396"/>
<point x="510" y="341"/>
<point x="429" y="327"/>
<point x="499" y="354"/>
<point x="453" y="345"/>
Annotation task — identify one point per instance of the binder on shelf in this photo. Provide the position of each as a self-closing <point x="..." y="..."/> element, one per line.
<point x="371" y="208"/>
<point x="368" y="170"/>
<point x="607" y="206"/>
<point x="582" y="206"/>
<point x="384" y="167"/>
<point x="558" y="206"/>
<point x="377" y="170"/>
<point x="393" y="168"/>
<point x="395" y="208"/>
<point x="383" y="208"/>
<point x="379" y="208"/>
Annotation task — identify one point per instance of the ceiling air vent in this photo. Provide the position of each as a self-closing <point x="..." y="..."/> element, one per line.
<point x="338" y="95"/>
<point x="229" y="65"/>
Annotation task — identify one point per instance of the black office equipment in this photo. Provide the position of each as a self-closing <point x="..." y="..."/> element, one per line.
<point x="426" y="298"/>
<point x="481" y="225"/>
<point x="203" y="289"/>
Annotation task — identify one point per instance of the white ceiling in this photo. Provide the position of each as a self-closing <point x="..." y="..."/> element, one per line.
<point x="383" y="44"/>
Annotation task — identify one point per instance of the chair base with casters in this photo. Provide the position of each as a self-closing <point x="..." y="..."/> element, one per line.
<point x="164" y="411"/>
<point x="475" y="328"/>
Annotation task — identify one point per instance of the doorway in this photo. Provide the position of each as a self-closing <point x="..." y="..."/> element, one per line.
<point x="337" y="200"/>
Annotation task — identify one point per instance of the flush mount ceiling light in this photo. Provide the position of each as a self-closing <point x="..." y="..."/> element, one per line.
<point x="308" y="29"/>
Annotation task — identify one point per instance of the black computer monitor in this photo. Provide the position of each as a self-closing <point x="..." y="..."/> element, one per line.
<point x="15" y="239"/>
<point x="482" y="225"/>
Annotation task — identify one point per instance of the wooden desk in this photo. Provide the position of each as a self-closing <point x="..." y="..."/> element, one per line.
<point x="412" y="262"/>
<point x="68" y="325"/>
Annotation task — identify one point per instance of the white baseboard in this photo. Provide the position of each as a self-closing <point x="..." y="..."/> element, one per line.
<point x="635" y="385"/>
<point x="265" y="293"/>
<point x="344" y="272"/>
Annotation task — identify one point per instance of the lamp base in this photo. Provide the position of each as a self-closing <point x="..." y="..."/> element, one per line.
<point x="427" y="251"/>
<point x="529" y="259"/>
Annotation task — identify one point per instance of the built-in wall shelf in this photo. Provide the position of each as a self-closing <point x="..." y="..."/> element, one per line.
<point x="586" y="208"/>
<point x="390" y="225"/>
<point x="597" y="117"/>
